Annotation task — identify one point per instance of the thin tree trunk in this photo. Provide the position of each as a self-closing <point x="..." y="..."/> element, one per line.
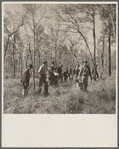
<point x="51" y="51"/>
<point x="14" y="58"/>
<point x="109" y="46"/>
<point x="103" y="53"/>
<point x="30" y="54"/>
<point x="51" y="56"/>
<point x="103" y="48"/>
<point x="55" y="54"/>
<point x="21" y="66"/>
<point x="94" y="45"/>
<point x="65" y="59"/>
<point x="102" y="56"/>
<point x="34" y="62"/>
<point x="39" y="58"/>
<point x="73" y="53"/>
<point x="103" y="45"/>
<point x="94" y="37"/>
<point x="26" y="62"/>
<point x="6" y="47"/>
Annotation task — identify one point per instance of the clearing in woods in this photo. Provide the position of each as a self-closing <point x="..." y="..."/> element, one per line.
<point x="65" y="99"/>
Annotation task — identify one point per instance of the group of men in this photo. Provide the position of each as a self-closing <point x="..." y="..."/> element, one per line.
<point x="53" y="75"/>
<point x="46" y="76"/>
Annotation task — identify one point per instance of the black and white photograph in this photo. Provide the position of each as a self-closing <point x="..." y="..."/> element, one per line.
<point x="59" y="58"/>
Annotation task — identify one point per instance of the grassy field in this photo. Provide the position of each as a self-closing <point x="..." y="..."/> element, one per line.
<point x="65" y="99"/>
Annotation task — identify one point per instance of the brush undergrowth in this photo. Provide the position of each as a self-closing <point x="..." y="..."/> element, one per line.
<point x="65" y="99"/>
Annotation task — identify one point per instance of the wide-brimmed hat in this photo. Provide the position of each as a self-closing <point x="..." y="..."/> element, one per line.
<point x="30" y="66"/>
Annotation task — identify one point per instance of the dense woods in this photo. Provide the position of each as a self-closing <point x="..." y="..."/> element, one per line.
<point x="70" y="34"/>
<point x="64" y="33"/>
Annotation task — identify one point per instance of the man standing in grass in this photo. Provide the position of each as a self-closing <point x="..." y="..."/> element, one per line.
<point x="26" y="79"/>
<point x="66" y="74"/>
<point x="84" y="73"/>
<point x="43" y="78"/>
<point x="59" y="71"/>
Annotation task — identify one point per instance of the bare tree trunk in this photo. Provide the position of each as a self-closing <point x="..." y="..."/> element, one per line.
<point x="6" y="47"/>
<point x="5" y="66"/>
<point x="26" y="62"/>
<point x="94" y="45"/>
<point x="51" y="56"/>
<point x="72" y="59"/>
<point x="65" y="58"/>
<point x="103" y="46"/>
<point x="103" y="50"/>
<point x="34" y="61"/>
<point x="14" y="58"/>
<point x="19" y="63"/>
<point x="21" y="66"/>
<point x="51" y="51"/>
<point x="94" y="37"/>
<point x="56" y="54"/>
<point x="39" y="57"/>
<point x="73" y="53"/>
<point x="30" y="54"/>
<point x="109" y="46"/>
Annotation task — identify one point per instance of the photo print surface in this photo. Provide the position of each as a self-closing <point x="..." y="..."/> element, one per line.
<point x="59" y="74"/>
<point x="59" y="58"/>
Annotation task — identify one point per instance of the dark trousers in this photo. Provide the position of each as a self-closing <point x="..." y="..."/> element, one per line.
<point x="53" y="80"/>
<point x="84" y="83"/>
<point x="66" y="75"/>
<point x="65" y="78"/>
<point x="60" y="77"/>
<point x="42" y="80"/>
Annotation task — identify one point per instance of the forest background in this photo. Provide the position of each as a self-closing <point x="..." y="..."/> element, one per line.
<point x="66" y="34"/>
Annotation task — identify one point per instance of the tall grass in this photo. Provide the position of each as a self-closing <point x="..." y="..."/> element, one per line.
<point x="65" y="99"/>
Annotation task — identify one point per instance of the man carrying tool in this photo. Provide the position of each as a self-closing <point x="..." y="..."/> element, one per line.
<point x="84" y="73"/>
<point x="43" y="78"/>
<point x="26" y="79"/>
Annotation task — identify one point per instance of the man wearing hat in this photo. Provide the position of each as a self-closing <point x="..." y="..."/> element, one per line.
<point x="26" y="79"/>
<point x="43" y="78"/>
<point x="84" y="73"/>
